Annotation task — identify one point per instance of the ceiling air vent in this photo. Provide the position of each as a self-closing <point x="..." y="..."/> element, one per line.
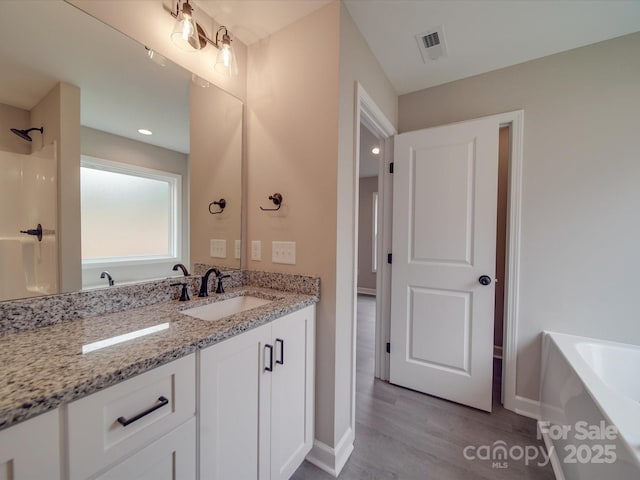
<point x="431" y="44"/>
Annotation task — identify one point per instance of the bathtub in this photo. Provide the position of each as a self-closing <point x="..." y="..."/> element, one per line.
<point x="590" y="407"/>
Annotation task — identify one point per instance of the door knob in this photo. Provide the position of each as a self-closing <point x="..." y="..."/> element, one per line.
<point x="485" y="280"/>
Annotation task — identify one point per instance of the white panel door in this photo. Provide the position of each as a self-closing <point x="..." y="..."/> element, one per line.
<point x="444" y="229"/>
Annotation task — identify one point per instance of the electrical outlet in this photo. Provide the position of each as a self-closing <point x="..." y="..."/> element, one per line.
<point x="283" y="252"/>
<point x="237" y="247"/>
<point x="256" y="250"/>
<point x="218" y="248"/>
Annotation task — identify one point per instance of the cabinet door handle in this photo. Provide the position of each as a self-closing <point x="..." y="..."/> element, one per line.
<point x="162" y="401"/>
<point x="269" y="367"/>
<point x="281" y="342"/>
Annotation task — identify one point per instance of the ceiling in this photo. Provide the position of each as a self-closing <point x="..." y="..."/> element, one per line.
<point x="121" y="90"/>
<point x="480" y="35"/>
<point x="253" y="20"/>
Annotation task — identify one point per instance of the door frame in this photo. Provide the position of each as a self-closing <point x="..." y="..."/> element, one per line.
<point x="367" y="112"/>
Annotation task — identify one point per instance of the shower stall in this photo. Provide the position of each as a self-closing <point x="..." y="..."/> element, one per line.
<point x="28" y="204"/>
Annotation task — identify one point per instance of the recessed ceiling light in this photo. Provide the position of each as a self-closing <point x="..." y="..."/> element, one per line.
<point x="375" y="150"/>
<point x="144" y="131"/>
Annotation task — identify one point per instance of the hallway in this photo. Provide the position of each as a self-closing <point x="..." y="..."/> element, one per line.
<point x="405" y="435"/>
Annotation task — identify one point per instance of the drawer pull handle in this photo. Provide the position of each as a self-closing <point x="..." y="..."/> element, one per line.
<point x="281" y="342"/>
<point x="162" y="401"/>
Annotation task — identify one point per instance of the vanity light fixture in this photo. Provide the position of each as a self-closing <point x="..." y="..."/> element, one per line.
<point x="144" y="131"/>
<point x="189" y="35"/>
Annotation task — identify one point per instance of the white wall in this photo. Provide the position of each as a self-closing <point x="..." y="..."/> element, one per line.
<point x="581" y="195"/>
<point x="366" y="275"/>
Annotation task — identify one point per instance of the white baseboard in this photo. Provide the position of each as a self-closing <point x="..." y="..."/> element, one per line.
<point x="329" y="459"/>
<point x="367" y="291"/>
<point x="527" y="407"/>
<point x="555" y="461"/>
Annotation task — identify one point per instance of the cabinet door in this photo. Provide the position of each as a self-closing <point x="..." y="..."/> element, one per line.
<point x="171" y="457"/>
<point x="292" y="391"/>
<point x="31" y="449"/>
<point x="234" y="407"/>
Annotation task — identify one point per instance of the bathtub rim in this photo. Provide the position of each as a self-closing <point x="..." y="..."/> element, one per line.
<point x="620" y="411"/>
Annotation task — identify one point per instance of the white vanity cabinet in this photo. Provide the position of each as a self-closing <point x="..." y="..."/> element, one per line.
<point x="143" y="427"/>
<point x="31" y="450"/>
<point x="256" y="401"/>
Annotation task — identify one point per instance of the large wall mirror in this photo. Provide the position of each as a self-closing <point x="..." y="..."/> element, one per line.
<point x="93" y="191"/>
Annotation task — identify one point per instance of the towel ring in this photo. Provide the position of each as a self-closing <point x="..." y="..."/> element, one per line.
<point x="276" y="198"/>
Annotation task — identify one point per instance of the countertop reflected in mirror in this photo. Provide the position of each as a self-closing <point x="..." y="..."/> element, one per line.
<point x="52" y="48"/>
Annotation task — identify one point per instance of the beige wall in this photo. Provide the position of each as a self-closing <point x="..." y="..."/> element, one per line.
<point x="59" y="113"/>
<point x="366" y="275"/>
<point x="292" y="142"/>
<point x="215" y="164"/>
<point x="12" y="117"/>
<point x="148" y="22"/>
<point x="357" y="64"/>
<point x="580" y="234"/>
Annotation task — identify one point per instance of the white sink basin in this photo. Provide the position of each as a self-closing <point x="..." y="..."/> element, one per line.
<point x="224" y="308"/>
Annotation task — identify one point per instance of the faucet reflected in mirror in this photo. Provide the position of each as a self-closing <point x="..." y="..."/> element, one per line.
<point x="180" y="266"/>
<point x="112" y="108"/>
<point x="109" y="278"/>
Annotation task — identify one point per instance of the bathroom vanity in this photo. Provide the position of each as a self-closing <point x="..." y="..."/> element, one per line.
<point x="96" y="404"/>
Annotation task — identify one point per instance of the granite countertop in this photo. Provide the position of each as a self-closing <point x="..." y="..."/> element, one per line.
<point x="45" y="367"/>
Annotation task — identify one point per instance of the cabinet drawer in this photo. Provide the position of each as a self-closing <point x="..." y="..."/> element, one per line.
<point x="172" y="457"/>
<point x="150" y="404"/>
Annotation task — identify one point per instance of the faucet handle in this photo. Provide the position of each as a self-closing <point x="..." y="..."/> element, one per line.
<point x="184" y="294"/>
<point x="220" y="287"/>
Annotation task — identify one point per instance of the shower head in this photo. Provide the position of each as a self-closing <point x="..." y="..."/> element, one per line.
<point x="24" y="134"/>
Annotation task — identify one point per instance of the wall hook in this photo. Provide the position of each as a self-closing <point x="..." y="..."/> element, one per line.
<point x="276" y="198"/>
<point x="222" y="203"/>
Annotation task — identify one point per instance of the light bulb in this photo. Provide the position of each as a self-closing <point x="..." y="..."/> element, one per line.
<point x="226" y="60"/>
<point x="185" y="32"/>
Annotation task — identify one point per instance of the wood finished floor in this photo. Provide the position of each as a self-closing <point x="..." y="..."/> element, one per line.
<point x="406" y="435"/>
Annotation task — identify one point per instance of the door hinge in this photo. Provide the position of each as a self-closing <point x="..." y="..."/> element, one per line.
<point x="388" y="347"/>
<point x="389" y="257"/>
<point x="391" y="167"/>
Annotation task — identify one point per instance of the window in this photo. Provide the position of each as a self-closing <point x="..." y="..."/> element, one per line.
<point x="129" y="214"/>
<point x="374" y="235"/>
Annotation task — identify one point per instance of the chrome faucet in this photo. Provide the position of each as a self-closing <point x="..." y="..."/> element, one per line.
<point x="180" y="266"/>
<point x="109" y="278"/>
<point x="205" y="281"/>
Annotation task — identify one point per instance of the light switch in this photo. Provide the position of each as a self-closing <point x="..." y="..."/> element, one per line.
<point x="283" y="252"/>
<point x="237" y="249"/>
<point x="256" y="250"/>
<point x="218" y="248"/>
